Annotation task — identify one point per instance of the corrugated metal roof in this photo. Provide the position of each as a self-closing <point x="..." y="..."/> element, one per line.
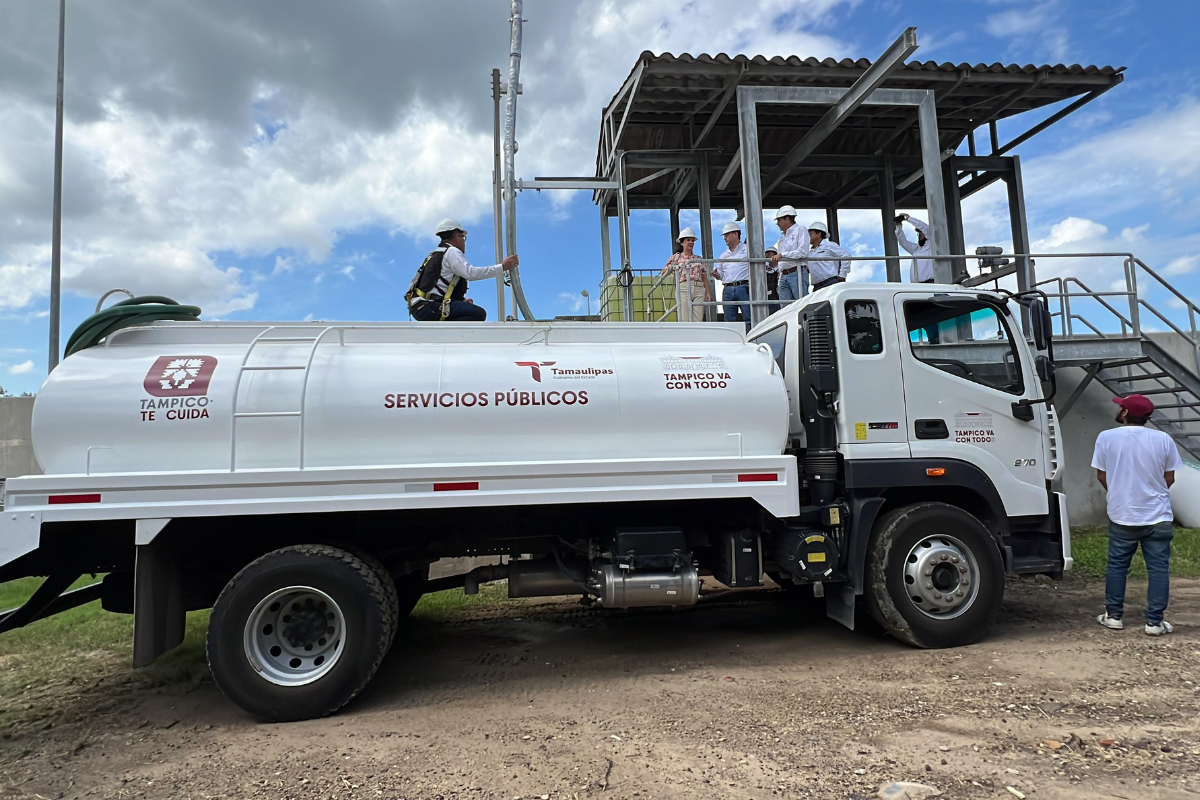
<point x="678" y="96"/>
<point x="863" y="63"/>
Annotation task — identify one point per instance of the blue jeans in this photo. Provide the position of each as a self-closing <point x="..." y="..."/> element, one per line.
<point x="789" y="286"/>
<point x="738" y="312"/>
<point x="1123" y="542"/>
<point x="460" y="311"/>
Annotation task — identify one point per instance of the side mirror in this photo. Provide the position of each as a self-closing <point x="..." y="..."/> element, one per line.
<point x="1042" y="324"/>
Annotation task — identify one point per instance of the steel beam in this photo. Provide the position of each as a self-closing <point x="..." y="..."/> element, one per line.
<point x="954" y="220"/>
<point x="752" y="198"/>
<point x="628" y="89"/>
<point x="935" y="198"/>
<point x="623" y="228"/>
<point x="587" y="184"/>
<point x="1056" y="116"/>
<point x="726" y="96"/>
<point x="845" y="105"/>
<point x="887" y="209"/>
<point x="1020" y="235"/>
<point x="735" y="164"/>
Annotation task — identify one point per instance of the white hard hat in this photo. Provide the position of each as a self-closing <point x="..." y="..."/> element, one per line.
<point x="447" y="225"/>
<point x="686" y="233"/>
<point x="771" y="249"/>
<point x="730" y="227"/>
<point x="785" y="211"/>
<point x="819" y="226"/>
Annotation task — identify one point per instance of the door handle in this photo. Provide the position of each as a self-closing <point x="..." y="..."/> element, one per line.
<point x="931" y="429"/>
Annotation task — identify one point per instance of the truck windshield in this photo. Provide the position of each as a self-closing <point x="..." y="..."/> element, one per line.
<point x="970" y="340"/>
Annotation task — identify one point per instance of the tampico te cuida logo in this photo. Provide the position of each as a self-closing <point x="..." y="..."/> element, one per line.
<point x="180" y="376"/>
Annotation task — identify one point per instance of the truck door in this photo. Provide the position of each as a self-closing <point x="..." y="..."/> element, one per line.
<point x="963" y="370"/>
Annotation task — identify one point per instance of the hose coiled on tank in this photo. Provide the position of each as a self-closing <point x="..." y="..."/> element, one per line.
<point x="127" y="314"/>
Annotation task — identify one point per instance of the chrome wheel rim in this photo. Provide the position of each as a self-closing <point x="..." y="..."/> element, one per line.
<point x="295" y="635"/>
<point x="941" y="577"/>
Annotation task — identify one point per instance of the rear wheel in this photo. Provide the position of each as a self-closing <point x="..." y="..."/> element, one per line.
<point x="299" y="632"/>
<point x="935" y="576"/>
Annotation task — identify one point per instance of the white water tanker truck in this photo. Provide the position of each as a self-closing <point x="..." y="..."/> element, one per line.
<point x="875" y="444"/>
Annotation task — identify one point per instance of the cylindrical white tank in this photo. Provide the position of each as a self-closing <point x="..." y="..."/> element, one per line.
<point x="164" y="402"/>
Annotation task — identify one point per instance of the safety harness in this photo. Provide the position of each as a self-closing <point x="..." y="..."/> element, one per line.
<point x="430" y="286"/>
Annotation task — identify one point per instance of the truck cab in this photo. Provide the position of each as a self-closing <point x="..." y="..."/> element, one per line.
<point x="926" y="394"/>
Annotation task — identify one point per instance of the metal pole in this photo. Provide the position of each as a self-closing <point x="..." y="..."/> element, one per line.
<point x="605" y="244"/>
<point x="887" y="208"/>
<point x="510" y="151"/>
<point x="831" y="222"/>
<point x="935" y="198"/>
<point x="56" y="229"/>
<point x="706" y="235"/>
<point x="752" y="202"/>
<point x="497" y="194"/>
<point x="626" y="273"/>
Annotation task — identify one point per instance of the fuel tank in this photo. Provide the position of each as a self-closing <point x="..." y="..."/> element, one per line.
<point x="174" y="397"/>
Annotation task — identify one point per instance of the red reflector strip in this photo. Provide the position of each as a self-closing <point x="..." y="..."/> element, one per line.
<point x="469" y="486"/>
<point x="758" y="477"/>
<point x="63" y="499"/>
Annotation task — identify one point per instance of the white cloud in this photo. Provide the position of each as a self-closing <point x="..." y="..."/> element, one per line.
<point x="320" y="276"/>
<point x="1153" y="161"/>
<point x="1030" y="26"/>
<point x="1185" y="265"/>
<point x="308" y="317"/>
<point x="1133" y="235"/>
<point x="348" y="271"/>
<point x="1071" y="229"/>
<point x="283" y="264"/>
<point x="22" y="368"/>
<point x="575" y="303"/>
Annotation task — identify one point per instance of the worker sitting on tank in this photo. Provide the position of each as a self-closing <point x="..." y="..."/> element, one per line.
<point x="438" y="292"/>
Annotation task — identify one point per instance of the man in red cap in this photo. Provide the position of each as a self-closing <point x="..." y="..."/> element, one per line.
<point x="1136" y="465"/>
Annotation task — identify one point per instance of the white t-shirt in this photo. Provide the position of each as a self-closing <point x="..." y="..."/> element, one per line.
<point x="1135" y="458"/>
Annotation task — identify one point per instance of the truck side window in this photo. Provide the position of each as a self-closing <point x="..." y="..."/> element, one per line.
<point x="862" y="325"/>
<point x="969" y="340"/>
<point x="776" y="339"/>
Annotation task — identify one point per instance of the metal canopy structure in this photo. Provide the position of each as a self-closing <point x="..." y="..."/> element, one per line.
<point x="687" y="103"/>
<point x="825" y="134"/>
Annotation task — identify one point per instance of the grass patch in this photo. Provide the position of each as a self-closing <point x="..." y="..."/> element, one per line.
<point x="48" y="667"/>
<point x="1089" y="546"/>
<point x="444" y="606"/>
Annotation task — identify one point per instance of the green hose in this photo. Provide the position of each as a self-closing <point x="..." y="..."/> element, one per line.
<point x="127" y="314"/>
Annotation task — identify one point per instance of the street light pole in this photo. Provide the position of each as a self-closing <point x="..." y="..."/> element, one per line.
<point x="584" y="292"/>
<point x="56" y="233"/>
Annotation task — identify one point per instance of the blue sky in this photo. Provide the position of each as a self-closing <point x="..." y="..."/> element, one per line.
<point x="269" y="169"/>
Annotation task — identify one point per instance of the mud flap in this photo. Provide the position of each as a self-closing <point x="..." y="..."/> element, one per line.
<point x="839" y="604"/>
<point x="158" y="611"/>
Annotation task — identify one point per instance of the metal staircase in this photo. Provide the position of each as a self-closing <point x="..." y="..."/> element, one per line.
<point x="1110" y="343"/>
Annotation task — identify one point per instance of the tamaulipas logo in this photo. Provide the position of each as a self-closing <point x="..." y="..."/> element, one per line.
<point x="558" y="374"/>
<point x="180" y="376"/>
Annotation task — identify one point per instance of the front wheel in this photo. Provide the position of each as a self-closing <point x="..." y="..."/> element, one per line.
<point x="935" y="575"/>
<point x="299" y="632"/>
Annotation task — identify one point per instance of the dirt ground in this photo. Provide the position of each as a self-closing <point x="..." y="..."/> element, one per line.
<point x="739" y="697"/>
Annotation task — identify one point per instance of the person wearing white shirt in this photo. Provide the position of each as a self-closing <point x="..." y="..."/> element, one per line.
<point x="438" y="292"/>
<point x="792" y="245"/>
<point x="734" y="276"/>
<point x="922" y="268"/>
<point x="826" y="273"/>
<point x="1136" y="466"/>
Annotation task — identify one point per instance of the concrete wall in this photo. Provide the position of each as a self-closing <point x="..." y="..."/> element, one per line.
<point x="16" y="443"/>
